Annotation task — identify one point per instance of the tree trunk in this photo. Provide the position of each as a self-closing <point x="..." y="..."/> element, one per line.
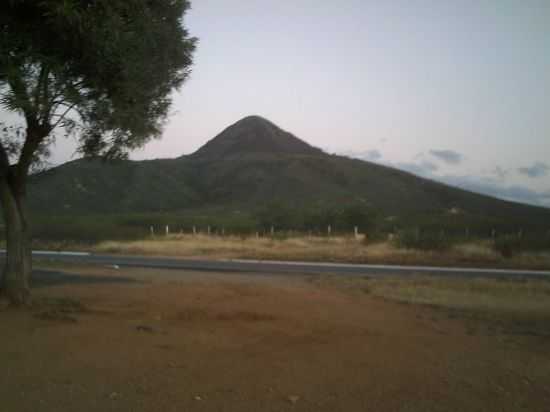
<point x="14" y="283"/>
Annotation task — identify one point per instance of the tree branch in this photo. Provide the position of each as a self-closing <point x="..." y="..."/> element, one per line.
<point x="17" y="85"/>
<point x="35" y="136"/>
<point x="44" y="86"/>
<point x="38" y="89"/>
<point x="62" y="116"/>
<point x="4" y="162"/>
<point x="59" y="103"/>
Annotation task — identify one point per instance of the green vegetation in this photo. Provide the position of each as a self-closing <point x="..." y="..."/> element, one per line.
<point x="103" y="71"/>
<point x="422" y="233"/>
<point x="317" y="219"/>
<point x="424" y="240"/>
<point x="253" y="177"/>
<point x="231" y="174"/>
<point x="95" y="228"/>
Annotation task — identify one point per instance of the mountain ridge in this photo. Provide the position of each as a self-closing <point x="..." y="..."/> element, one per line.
<point x="252" y="163"/>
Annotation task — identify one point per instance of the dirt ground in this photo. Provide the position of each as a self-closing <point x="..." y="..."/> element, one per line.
<point x="142" y="340"/>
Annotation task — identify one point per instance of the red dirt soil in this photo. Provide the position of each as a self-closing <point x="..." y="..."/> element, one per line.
<point x="207" y="342"/>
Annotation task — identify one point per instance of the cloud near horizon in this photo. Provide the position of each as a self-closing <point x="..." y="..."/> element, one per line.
<point x="371" y="155"/>
<point x="500" y="172"/>
<point x="493" y="185"/>
<point x="538" y="169"/>
<point x="423" y="168"/>
<point x="488" y="186"/>
<point x="448" y="156"/>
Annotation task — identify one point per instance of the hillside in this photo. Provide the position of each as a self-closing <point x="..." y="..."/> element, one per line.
<point x="249" y="164"/>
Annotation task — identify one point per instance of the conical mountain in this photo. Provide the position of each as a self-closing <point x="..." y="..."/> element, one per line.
<point x="253" y="135"/>
<point x="250" y="164"/>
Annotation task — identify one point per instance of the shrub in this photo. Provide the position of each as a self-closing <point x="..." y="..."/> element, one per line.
<point x="415" y="239"/>
<point x="510" y="245"/>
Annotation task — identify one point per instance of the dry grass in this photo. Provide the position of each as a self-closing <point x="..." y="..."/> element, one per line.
<point x="333" y="249"/>
<point x="511" y="306"/>
<point x="236" y="247"/>
<point x="526" y="297"/>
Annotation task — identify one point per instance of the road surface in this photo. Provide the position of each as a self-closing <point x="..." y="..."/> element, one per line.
<point x="273" y="267"/>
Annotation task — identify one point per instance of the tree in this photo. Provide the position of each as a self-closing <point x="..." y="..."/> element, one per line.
<point x="277" y="215"/>
<point x="362" y="216"/>
<point x="102" y="70"/>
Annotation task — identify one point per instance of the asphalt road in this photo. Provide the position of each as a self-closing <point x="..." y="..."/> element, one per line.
<point x="274" y="267"/>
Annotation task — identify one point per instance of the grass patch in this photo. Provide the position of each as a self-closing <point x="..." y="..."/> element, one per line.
<point x="509" y="306"/>
<point x="513" y="307"/>
<point x="506" y="295"/>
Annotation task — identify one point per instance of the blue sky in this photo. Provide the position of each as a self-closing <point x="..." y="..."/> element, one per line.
<point x="455" y="91"/>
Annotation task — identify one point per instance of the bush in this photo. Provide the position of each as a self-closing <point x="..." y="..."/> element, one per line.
<point x="510" y="245"/>
<point x="415" y="239"/>
<point x="507" y="246"/>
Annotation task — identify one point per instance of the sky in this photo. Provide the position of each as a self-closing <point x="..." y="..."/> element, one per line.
<point x="453" y="91"/>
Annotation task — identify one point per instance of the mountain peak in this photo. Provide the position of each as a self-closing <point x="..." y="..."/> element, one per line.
<point x="254" y="118"/>
<point x="254" y="134"/>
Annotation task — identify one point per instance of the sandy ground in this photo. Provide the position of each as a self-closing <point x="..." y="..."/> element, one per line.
<point x="168" y="341"/>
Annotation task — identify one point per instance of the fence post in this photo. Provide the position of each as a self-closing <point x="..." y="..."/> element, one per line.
<point x="208" y="230"/>
<point x="167" y="230"/>
<point x="194" y="230"/>
<point x="152" y="230"/>
<point x="329" y="230"/>
<point x="356" y="231"/>
<point x="272" y="230"/>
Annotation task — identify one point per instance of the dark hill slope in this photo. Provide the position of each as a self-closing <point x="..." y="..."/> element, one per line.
<point x="250" y="164"/>
<point x="84" y="187"/>
<point x="304" y="179"/>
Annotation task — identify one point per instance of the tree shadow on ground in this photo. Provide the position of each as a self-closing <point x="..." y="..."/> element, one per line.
<point x="46" y="278"/>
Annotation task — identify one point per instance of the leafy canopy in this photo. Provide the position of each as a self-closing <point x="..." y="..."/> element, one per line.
<point x="102" y="68"/>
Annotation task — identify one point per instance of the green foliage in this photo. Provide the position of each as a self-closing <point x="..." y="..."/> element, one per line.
<point x="94" y="228"/>
<point x="363" y="217"/>
<point x="279" y="216"/>
<point x="311" y="190"/>
<point x="317" y="219"/>
<point x="423" y="240"/>
<point x="105" y="66"/>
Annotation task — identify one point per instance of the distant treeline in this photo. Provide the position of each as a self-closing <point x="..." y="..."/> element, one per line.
<point x="281" y="219"/>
